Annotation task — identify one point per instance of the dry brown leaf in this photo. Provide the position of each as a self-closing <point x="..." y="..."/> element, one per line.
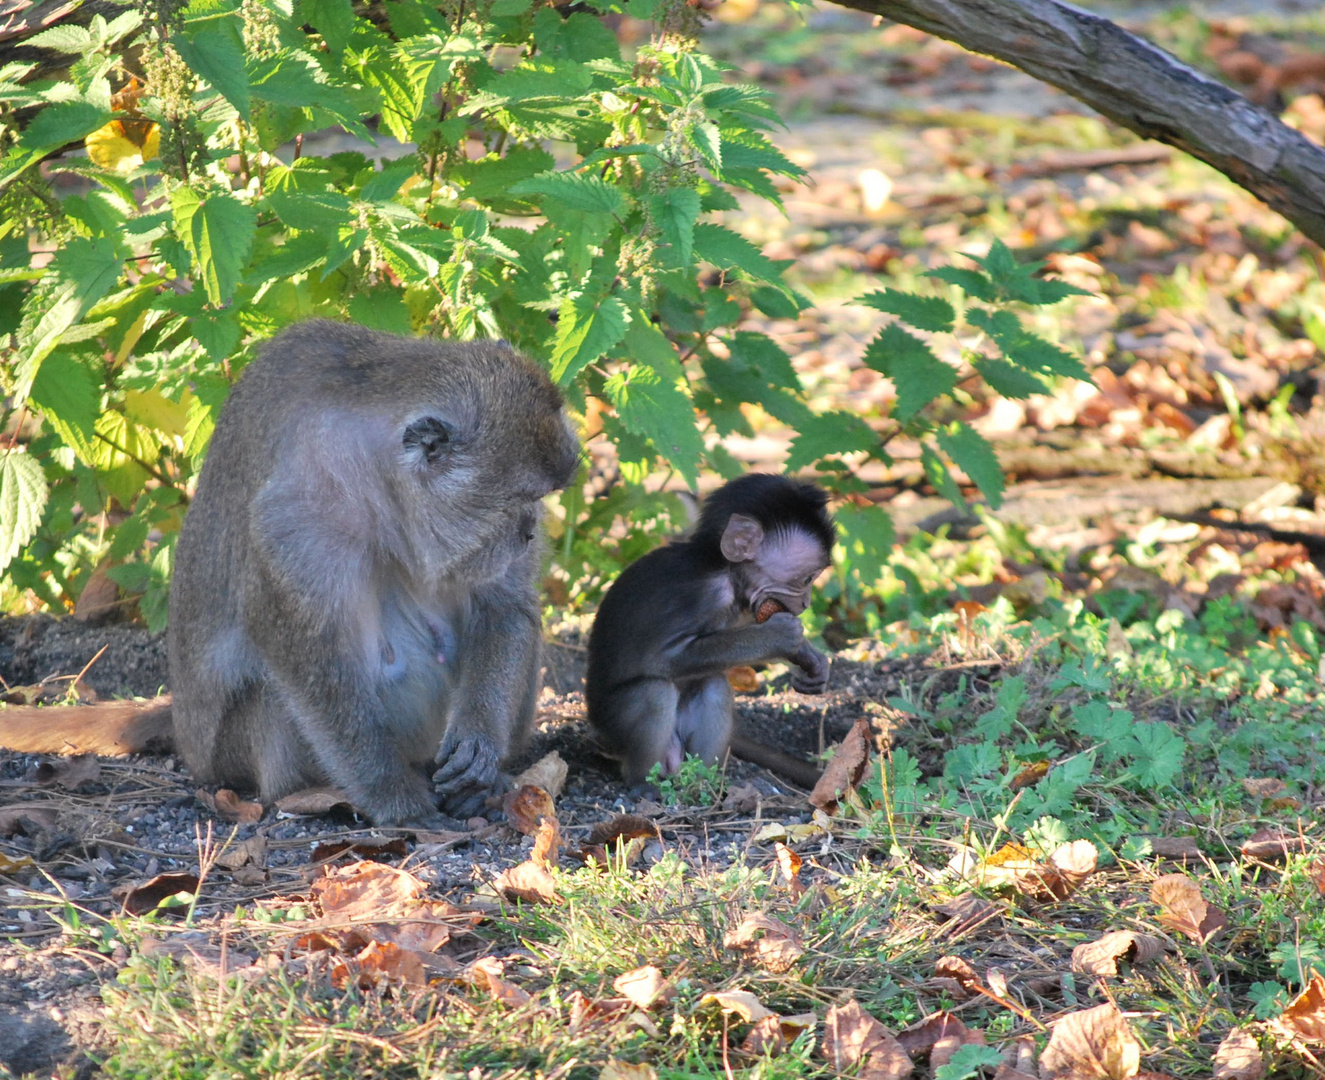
<point x="1304" y="1019"/>
<point x="645" y="987"/>
<point x="789" y="866"/>
<point x="1273" y="845"/>
<point x="10" y="865"/>
<point x="954" y="1039"/>
<point x="771" y="944"/>
<point x="957" y="969"/>
<point x="1029" y="776"/>
<point x="1317" y="873"/>
<point x="741" y="1002"/>
<point x="964" y="913"/>
<point x="230" y="807"/>
<point x="1095" y="1042"/>
<point x="147" y="896"/>
<point x="587" y="1015"/>
<point x="1184" y="909"/>
<point x="385" y="962"/>
<point x="1100" y="957"/>
<point x="252" y="851"/>
<point x="744" y="680"/>
<point x="1238" y="1057"/>
<point x="548" y="772"/>
<point x="486" y="972"/>
<point x="1175" y="847"/>
<point x="26" y="820"/>
<point x="547" y="843"/>
<point x="773" y="1034"/>
<point x="315" y="801"/>
<point x="622" y="827"/>
<point x="852" y="1036"/>
<point x="375" y="850"/>
<point x="69" y="773"/>
<point x="846" y="769"/>
<point x="525" y="807"/>
<point x="920" y="1039"/>
<point x="366" y="891"/>
<point x="625" y="1070"/>
<point x="742" y="800"/>
<point x="1264" y="787"/>
<point x="529" y="881"/>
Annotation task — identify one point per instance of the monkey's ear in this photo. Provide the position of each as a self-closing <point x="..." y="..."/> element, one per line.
<point x="428" y="437"/>
<point x="741" y="538"/>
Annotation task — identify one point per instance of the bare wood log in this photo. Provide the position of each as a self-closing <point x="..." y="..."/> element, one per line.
<point x="1137" y="85"/>
<point x="109" y="728"/>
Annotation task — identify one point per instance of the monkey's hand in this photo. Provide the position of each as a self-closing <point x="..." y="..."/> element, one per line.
<point x="467" y="773"/>
<point x="812" y="678"/>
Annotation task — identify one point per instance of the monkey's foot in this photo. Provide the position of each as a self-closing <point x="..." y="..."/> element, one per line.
<point x="467" y="774"/>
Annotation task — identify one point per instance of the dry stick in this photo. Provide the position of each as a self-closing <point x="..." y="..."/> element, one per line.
<point x="1137" y="85"/>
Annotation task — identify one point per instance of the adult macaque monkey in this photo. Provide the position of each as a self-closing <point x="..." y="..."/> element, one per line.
<point x="354" y="600"/>
<point x="676" y="620"/>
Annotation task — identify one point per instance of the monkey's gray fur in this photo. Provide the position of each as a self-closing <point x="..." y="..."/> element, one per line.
<point x="355" y="593"/>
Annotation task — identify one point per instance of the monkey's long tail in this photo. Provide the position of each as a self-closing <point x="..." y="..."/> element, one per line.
<point x="799" y="771"/>
<point x="109" y="728"/>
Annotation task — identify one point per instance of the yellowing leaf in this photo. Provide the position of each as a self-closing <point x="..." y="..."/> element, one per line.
<point x="152" y="409"/>
<point x="123" y="145"/>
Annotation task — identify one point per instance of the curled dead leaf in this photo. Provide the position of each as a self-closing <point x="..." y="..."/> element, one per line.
<point x="957" y="969"/>
<point x="366" y="890"/>
<point x="789" y="866"/>
<point x="529" y="881"/>
<point x="526" y="806"/>
<point x="252" y="851"/>
<point x="230" y="807"/>
<point x="1264" y="787"/>
<point x="852" y="1037"/>
<point x="1100" y="957"/>
<point x="623" y="827"/>
<point x="772" y="1035"/>
<point x="1238" y="1057"/>
<point x="741" y="1002"/>
<point x="644" y="986"/>
<point x="1273" y="845"/>
<point x="964" y="913"/>
<point x="26" y="820"/>
<point x="150" y="894"/>
<point x="743" y="799"/>
<point x="744" y="680"/>
<point x="587" y="1014"/>
<point x="486" y="972"/>
<point x="942" y="1028"/>
<point x="384" y="962"/>
<point x="1094" y="1042"/>
<point x="1175" y="847"/>
<point x="548" y="772"/>
<point x="547" y="843"/>
<point x="69" y="773"/>
<point x="626" y="1070"/>
<point x="314" y="802"/>
<point x="771" y="944"/>
<point x="1303" y="1021"/>
<point x="1184" y="909"/>
<point x="846" y="769"/>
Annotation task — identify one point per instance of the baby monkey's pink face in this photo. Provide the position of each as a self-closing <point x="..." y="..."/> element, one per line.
<point x="784" y="569"/>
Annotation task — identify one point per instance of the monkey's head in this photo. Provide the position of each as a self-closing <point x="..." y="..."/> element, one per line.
<point x="480" y="439"/>
<point x="775" y="535"/>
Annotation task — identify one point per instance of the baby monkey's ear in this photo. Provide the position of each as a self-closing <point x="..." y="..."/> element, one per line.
<point x="428" y="437"/>
<point x="741" y="538"/>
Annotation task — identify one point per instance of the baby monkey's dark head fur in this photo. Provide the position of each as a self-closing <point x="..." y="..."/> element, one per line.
<point x="775" y="534"/>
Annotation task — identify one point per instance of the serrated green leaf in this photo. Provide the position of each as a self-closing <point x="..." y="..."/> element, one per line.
<point x="586" y="329"/>
<point x="312" y="211"/>
<point x="209" y="394"/>
<point x="675" y="212"/>
<point x="918" y="375"/>
<point x="1034" y="352"/>
<point x="734" y="384"/>
<point x="940" y="476"/>
<point x="866" y="537"/>
<point x="707" y="140"/>
<point x="830" y="435"/>
<point x="777" y="304"/>
<point x="82" y="272"/>
<point x="727" y="250"/>
<point x="971" y="282"/>
<point x="971" y="452"/>
<point x="68" y="396"/>
<point x="756" y="152"/>
<point x="764" y="355"/>
<point x="218" y="232"/>
<point x="657" y="409"/>
<point x="333" y="19"/>
<point x="63" y="123"/>
<point x="931" y="313"/>
<point x="383" y="185"/>
<point x="1010" y="381"/>
<point x="574" y="191"/>
<point x="23" y="494"/>
<point x="214" y="48"/>
<point x="1052" y="290"/>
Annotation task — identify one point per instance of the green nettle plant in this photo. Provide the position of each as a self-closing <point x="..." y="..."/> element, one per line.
<point x="174" y="192"/>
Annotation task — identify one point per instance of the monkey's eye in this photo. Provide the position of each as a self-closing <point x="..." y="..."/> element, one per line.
<point x="427" y="436"/>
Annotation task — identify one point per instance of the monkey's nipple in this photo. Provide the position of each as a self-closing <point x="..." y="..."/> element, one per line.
<point x="768" y="609"/>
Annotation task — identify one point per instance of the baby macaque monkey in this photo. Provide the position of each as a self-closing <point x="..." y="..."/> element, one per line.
<point x="676" y="620"/>
<point x="355" y="593"/>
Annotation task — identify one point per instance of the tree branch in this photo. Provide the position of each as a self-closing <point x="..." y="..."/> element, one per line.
<point x="1137" y="85"/>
